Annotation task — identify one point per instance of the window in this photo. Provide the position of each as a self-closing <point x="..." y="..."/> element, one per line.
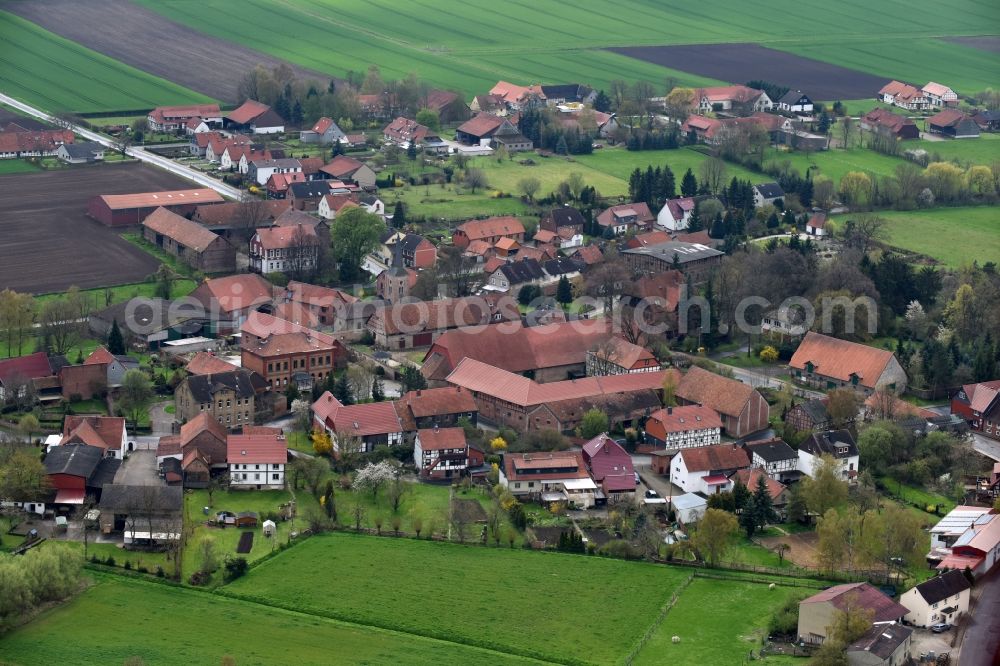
<point x="276" y="477"/>
<point x="517" y="485"/>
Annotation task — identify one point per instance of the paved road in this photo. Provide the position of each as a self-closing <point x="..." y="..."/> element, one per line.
<point x="139" y="469"/>
<point x="137" y="152"/>
<point x="988" y="447"/>
<point x="981" y="644"/>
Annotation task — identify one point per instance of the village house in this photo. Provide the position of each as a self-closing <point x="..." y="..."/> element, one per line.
<point x="358" y="428"/>
<point x="284" y="352"/>
<point x="257" y="461"/>
<point x="742" y="408"/>
<point x="884" y="121"/>
<point x="441" y="453"/>
<point x="706" y="469"/>
<point x="256" y="117"/>
<point x="150" y="323"/>
<point x="492" y="131"/>
<point x="489" y="231"/>
<point x="325" y="133"/>
<point x="623" y="218"/>
<point x="330" y="205"/>
<point x="145" y="515"/>
<point x="121" y="210"/>
<point x="230" y="397"/>
<point x="689" y="426"/>
<point x="838" y="444"/>
<point x="563" y="217"/>
<point x="966" y="537"/>
<point x="322" y="302"/>
<point x="939" y="95"/>
<point x="617" y="356"/>
<point x="953" y="123"/>
<point x="549" y="477"/>
<point x="808" y="416"/>
<point x="175" y="118"/>
<point x="107" y="433"/>
<point x="513" y="401"/>
<point x="988" y="121"/>
<point x="278" y="184"/>
<point x="190" y="242"/>
<point x="75" y="471"/>
<point x="419" y="324"/>
<point x="777" y="491"/>
<point x="512" y="276"/>
<point x="778" y="460"/>
<point x="284" y="249"/>
<point x="766" y="194"/>
<point x="518" y="98"/>
<point x="190" y="457"/>
<point x="816" y="612"/>
<point x="816" y="225"/>
<point x="435" y="408"/>
<point x="261" y="170"/>
<point x="20" y="142"/>
<point x="348" y="169"/>
<point x="979" y="405"/>
<point x="675" y="214"/>
<point x="610" y="467"/>
<point x="80" y="153"/>
<point x="115" y="365"/>
<point x="306" y="195"/>
<point x="547" y="353"/>
<point x="784" y="323"/>
<point x="738" y="100"/>
<point x="903" y="95"/>
<point x="228" y="301"/>
<point x="942" y="599"/>
<point x="795" y="101"/>
<point x="882" y="645"/>
<point x="826" y="362"/>
<point x="403" y="132"/>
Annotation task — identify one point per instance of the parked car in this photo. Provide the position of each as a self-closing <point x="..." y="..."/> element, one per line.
<point x="940" y="628"/>
<point x="653" y="497"/>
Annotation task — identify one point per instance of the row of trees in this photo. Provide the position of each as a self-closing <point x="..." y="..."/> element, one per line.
<point x="41" y="575"/>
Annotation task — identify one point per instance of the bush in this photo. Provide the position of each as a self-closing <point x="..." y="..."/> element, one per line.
<point x="159" y="572"/>
<point x="235" y="568"/>
<point x="110" y="561"/>
<point x="142" y="570"/>
<point x="785" y="620"/>
<point x="127" y="565"/>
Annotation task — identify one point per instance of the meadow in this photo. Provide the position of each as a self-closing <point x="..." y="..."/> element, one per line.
<point x="58" y="75"/>
<point x="620" y="163"/>
<point x="712" y="620"/>
<point x="984" y="150"/>
<point x="953" y="236"/>
<point x="547" y="605"/>
<point x="835" y="162"/>
<point x="17" y="166"/>
<point x="169" y="625"/>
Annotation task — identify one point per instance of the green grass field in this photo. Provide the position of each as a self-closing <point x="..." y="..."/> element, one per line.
<point x="836" y="162"/>
<point x="984" y="150"/>
<point x="953" y="236"/>
<point x="169" y="625"/>
<point x="718" y="622"/>
<point x="551" y="605"/>
<point x="620" y="163"/>
<point x="58" y="75"/>
<point x="468" y="46"/>
<point x="16" y="166"/>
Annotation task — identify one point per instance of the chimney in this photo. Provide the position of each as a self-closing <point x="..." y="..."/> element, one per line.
<point x="670" y="410"/>
<point x="418" y="392"/>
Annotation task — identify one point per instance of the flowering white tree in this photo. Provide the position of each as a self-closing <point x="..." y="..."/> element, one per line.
<point x="375" y="475"/>
<point x="916" y="319"/>
<point x="302" y="409"/>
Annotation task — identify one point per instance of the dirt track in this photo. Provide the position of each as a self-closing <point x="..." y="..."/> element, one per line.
<point x="739" y="63"/>
<point x="49" y="244"/>
<point x="141" y="38"/>
<point x="802" y="548"/>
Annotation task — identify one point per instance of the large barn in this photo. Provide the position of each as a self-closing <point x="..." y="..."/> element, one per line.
<point x="121" y="210"/>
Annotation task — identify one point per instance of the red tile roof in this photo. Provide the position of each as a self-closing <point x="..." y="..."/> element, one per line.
<point x="481" y="125"/>
<point x="438" y="402"/>
<point x="32" y="366"/>
<point x="738" y="94"/>
<point x="317" y="296"/>
<point x="640" y="210"/>
<point x="264" y="326"/>
<point x="34" y="140"/>
<point x="374" y="418"/>
<point x="247" y="111"/>
<point x="322" y="125"/>
<point x="266" y="449"/>
<point x="272" y="238"/>
<point x="162" y="113"/>
<point x="236" y="292"/>
<point x="715" y="457"/>
<point x="436" y="439"/>
<point x="590" y="254"/>
<point x="724" y="395"/>
<point x="682" y="419"/>
<point x="430" y="315"/>
<point x="207" y="363"/>
<point x="839" y="359"/>
<point x="100" y="356"/>
<point x="946" y="118"/>
<point x="490" y="227"/>
<point x="202" y="422"/>
<point x="180" y="229"/>
<point x="105" y="432"/>
<point x="406" y="130"/>
<point x="606" y="458"/>
<point x="516" y="464"/>
<point x="865" y="596"/>
<point x="151" y="199"/>
<point x="749" y="477"/>
<point x="342" y="166"/>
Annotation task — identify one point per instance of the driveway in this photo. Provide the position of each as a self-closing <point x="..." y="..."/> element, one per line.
<point x="925" y="641"/>
<point x="160" y="422"/>
<point x="981" y="643"/>
<point x="988" y="447"/>
<point x="139" y="469"/>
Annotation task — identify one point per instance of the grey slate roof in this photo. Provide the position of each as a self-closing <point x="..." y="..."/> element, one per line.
<point x="245" y="384"/>
<point x="567" y="216"/>
<point x="816" y="410"/>
<point x="562" y="266"/>
<point x="104" y="473"/>
<point x="882" y="640"/>
<point x="792" y="97"/>
<point x="409" y="242"/>
<point x="827" y="442"/>
<point x="83" y="150"/>
<point x="941" y="587"/>
<point x="685" y="252"/>
<point x="772" y="450"/>
<point x="310" y="188"/>
<point x="118" y="498"/>
<point x="770" y="190"/>
<point x="74" y="460"/>
<point x="523" y="271"/>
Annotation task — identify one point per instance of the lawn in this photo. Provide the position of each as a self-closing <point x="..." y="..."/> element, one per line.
<point x="56" y="74"/>
<point x="443" y="202"/>
<point x="620" y="163"/>
<point x="718" y="622"/>
<point x="170" y="625"/>
<point x="16" y="166"/>
<point x="835" y="163"/>
<point x="562" y="607"/>
<point x="102" y="297"/>
<point x="984" y="150"/>
<point x="953" y="236"/>
<point x="925" y="498"/>
<point x="550" y="171"/>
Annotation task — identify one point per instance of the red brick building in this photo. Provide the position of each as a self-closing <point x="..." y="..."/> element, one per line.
<point x="122" y="210"/>
<point x="282" y="352"/>
<point x="490" y="230"/>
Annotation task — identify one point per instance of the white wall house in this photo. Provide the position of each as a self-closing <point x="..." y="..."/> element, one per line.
<point x="836" y="443"/>
<point x="257" y="475"/>
<point x="938" y="600"/>
<point x="256" y="461"/>
<point x="675" y="214"/>
<point x="706" y="469"/>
